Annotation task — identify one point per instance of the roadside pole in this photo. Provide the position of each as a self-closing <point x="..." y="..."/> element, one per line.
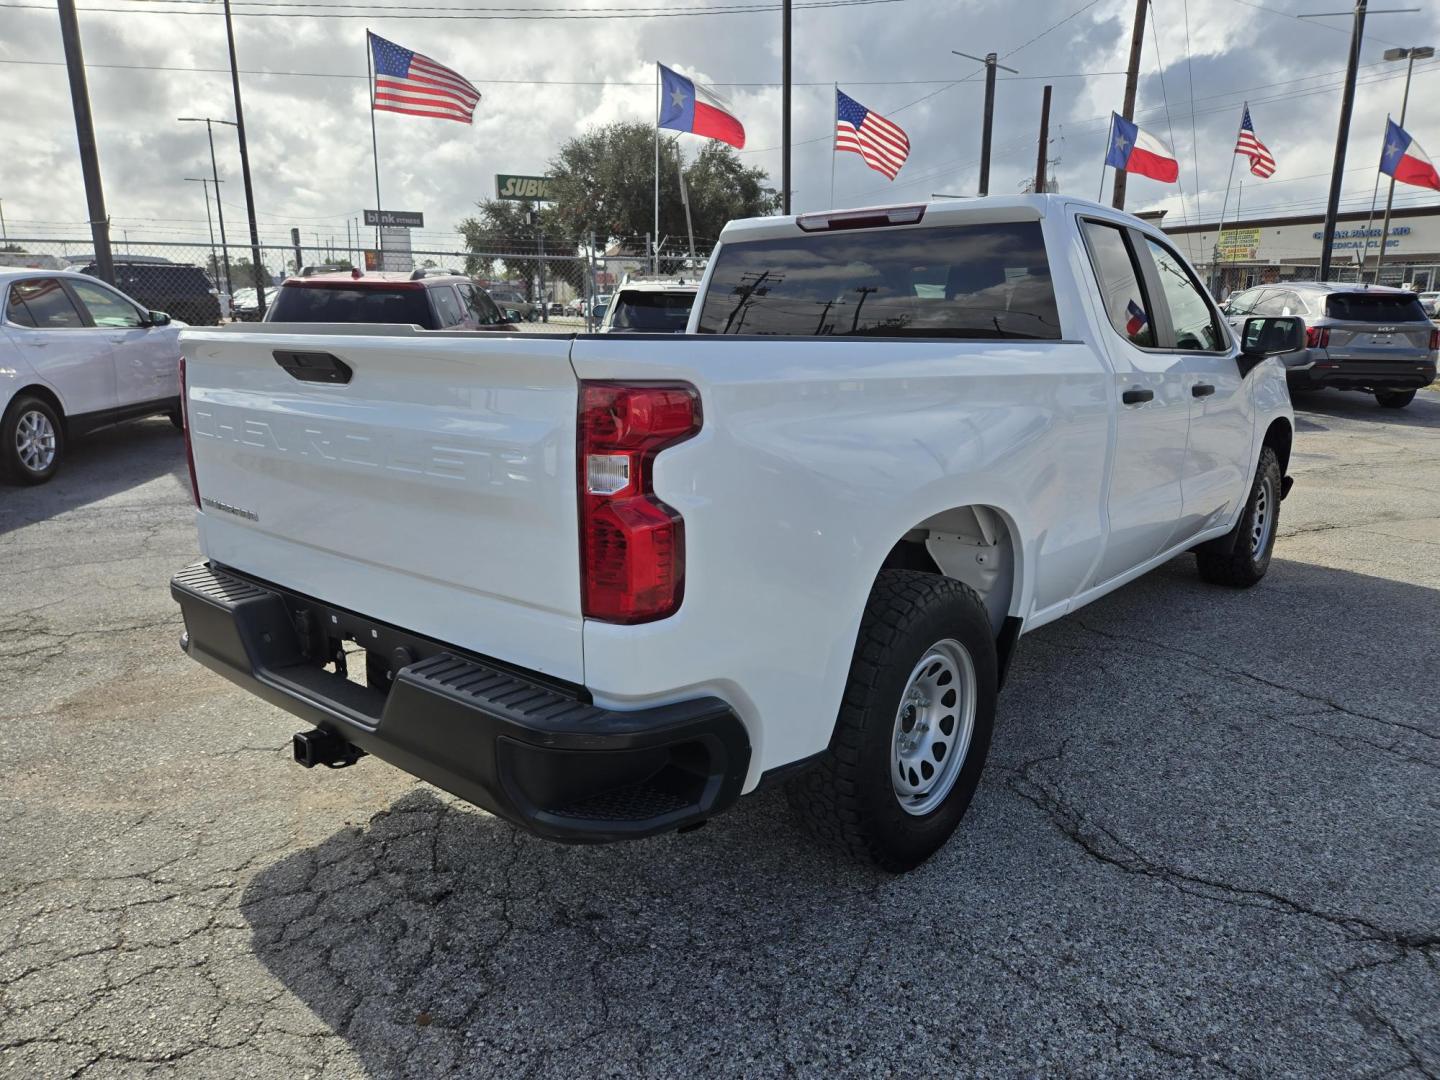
<point x="1132" y="81"/>
<point x="85" y="132"/>
<point x="258" y="267"/>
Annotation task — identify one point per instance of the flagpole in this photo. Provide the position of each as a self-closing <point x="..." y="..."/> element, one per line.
<point x="834" y="145"/>
<point x="1225" y="205"/>
<point x="655" y="236"/>
<point x="1109" y="139"/>
<point x="1365" y="240"/>
<point x="374" y="146"/>
<point x="1239" y="200"/>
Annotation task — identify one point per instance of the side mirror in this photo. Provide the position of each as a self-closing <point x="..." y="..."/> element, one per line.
<point x="513" y="316"/>
<point x="159" y="318"/>
<point x="1266" y="336"/>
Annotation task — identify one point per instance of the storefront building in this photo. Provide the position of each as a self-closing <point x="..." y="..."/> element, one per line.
<point x="1260" y="251"/>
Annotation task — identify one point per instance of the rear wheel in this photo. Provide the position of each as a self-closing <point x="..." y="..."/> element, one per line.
<point x="1241" y="558"/>
<point x="1394" y="399"/>
<point x="32" y="441"/>
<point x="914" y="725"/>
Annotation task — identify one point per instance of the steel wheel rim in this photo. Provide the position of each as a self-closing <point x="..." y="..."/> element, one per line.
<point x="934" y="724"/>
<point x="1262" y="521"/>
<point x="35" y="441"/>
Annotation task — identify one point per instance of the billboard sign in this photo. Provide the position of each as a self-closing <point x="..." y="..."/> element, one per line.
<point x="403" y="219"/>
<point x="523" y="188"/>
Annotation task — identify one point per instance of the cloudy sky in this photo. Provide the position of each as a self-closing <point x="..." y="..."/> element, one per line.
<point x="547" y="80"/>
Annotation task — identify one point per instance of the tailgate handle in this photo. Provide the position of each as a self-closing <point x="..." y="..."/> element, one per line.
<point x="318" y="367"/>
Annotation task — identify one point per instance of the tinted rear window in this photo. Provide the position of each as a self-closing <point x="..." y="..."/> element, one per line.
<point x="1374" y="307"/>
<point x="300" y="303"/>
<point x="984" y="282"/>
<point x="652" y="312"/>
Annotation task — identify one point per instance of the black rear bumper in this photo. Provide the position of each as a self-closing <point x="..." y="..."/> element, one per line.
<point x="531" y="749"/>
<point x="1369" y="375"/>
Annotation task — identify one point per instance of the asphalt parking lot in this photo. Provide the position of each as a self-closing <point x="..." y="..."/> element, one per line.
<point x="1208" y="842"/>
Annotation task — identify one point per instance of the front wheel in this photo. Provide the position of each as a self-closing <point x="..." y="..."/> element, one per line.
<point x="1394" y="399"/>
<point x="1241" y="557"/>
<point x="914" y="725"/>
<point x="32" y="441"/>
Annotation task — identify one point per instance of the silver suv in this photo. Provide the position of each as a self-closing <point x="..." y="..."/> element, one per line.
<point x="1358" y="337"/>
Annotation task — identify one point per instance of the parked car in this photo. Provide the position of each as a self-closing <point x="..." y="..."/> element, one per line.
<point x="1357" y="337"/>
<point x="429" y="301"/>
<point x="245" y="307"/>
<point x="650" y="307"/>
<point x="810" y="533"/>
<point x="76" y="355"/>
<point x="556" y="308"/>
<point x="1430" y="301"/>
<point x="512" y="299"/>
<point x="179" y="289"/>
<point x="576" y="307"/>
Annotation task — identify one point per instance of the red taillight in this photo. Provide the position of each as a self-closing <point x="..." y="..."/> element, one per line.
<point x="1434" y="339"/>
<point x="1317" y="337"/>
<point x="185" y="426"/>
<point x="632" y="546"/>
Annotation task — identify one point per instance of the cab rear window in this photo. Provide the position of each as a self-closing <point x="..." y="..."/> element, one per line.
<point x="306" y="303"/>
<point x="1374" y="307"/>
<point x="980" y="282"/>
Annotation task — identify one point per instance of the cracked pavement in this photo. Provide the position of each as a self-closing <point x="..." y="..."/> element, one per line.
<point x="1207" y="844"/>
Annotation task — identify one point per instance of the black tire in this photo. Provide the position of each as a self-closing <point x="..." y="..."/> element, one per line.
<point x="13" y="468"/>
<point x="849" y="799"/>
<point x="1394" y="399"/>
<point x="1235" y="559"/>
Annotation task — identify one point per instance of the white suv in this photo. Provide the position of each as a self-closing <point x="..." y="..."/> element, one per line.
<point x="650" y="307"/>
<point x="75" y="355"/>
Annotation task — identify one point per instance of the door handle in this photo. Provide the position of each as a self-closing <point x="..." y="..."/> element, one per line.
<point x="1136" y="397"/>
<point x="1202" y="390"/>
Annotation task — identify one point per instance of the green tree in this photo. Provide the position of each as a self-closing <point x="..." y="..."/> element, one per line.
<point x="505" y="245"/>
<point x="603" y="181"/>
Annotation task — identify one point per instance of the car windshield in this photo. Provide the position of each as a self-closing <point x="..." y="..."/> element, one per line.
<point x="984" y="282"/>
<point x="652" y="312"/>
<point x="308" y="303"/>
<point x="1374" y="307"/>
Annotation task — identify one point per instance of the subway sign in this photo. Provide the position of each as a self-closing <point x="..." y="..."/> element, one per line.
<point x="525" y="188"/>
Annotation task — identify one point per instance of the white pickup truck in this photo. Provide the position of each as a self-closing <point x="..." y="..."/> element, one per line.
<point x="605" y="585"/>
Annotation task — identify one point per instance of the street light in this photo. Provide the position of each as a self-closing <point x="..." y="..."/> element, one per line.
<point x="205" y="181"/>
<point x="215" y="174"/>
<point x="1420" y="52"/>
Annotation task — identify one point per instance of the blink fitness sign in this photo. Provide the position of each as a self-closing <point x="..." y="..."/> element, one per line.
<point x="523" y="188"/>
<point x="1355" y="239"/>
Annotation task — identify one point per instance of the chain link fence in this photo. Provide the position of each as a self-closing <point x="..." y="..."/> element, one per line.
<point x="546" y="280"/>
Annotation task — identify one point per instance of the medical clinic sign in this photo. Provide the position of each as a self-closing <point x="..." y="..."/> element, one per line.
<point x="1355" y="239"/>
<point x="522" y="188"/>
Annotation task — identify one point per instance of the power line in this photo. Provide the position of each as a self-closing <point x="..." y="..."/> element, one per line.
<point x="390" y="13"/>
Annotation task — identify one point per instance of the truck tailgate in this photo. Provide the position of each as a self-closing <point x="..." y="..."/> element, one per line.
<point x="426" y="481"/>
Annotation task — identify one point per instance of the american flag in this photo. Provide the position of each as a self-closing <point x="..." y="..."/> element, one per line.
<point x="407" y="82"/>
<point x="1261" y="163"/>
<point x="881" y="143"/>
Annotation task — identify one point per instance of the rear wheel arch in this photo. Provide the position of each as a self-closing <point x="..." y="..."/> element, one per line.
<point x="977" y="544"/>
<point x="45" y="394"/>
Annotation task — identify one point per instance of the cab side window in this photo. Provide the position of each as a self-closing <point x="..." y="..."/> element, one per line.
<point x="43" y="303"/>
<point x="447" y="306"/>
<point x="482" y="309"/>
<point x="1244" y="303"/>
<point x="1120" y="283"/>
<point x="1195" y="325"/>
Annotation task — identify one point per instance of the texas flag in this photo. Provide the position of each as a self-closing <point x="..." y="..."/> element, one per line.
<point x="681" y="110"/>
<point x="1140" y="152"/>
<point x="1403" y="159"/>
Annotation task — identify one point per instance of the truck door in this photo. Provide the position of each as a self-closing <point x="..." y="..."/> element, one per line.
<point x="1144" y="499"/>
<point x="1222" y="422"/>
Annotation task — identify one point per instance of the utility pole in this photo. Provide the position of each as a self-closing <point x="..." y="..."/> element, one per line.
<point x="1423" y="52"/>
<point x="208" y="121"/>
<point x="204" y="182"/>
<point x="295" y="242"/>
<point x="784" y="108"/>
<point x="85" y="132"/>
<point x="259" y="268"/>
<point x="4" y="237"/>
<point x="1042" y="155"/>
<point x="990" y="60"/>
<point x="1132" y="82"/>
